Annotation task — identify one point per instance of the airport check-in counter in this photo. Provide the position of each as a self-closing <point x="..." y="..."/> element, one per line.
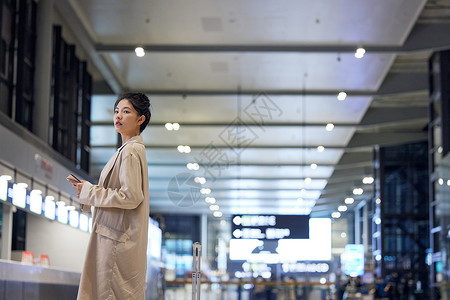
<point x="23" y="282"/>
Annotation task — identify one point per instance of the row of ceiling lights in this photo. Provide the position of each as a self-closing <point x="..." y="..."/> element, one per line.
<point x="194" y="167"/>
<point x="351" y="200"/>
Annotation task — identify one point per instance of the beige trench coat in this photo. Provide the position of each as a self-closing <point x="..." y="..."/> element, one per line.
<point x="116" y="260"/>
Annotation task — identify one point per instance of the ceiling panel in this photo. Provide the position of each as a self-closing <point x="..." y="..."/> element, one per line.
<point x="264" y="21"/>
<point x="257" y="71"/>
<point x="272" y="109"/>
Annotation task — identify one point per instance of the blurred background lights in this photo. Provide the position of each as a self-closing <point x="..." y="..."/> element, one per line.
<point x="193" y="166"/>
<point x="313" y="166"/>
<point x="22" y="185"/>
<point x="214" y="207"/>
<point x="172" y="126"/>
<point x="360" y="52"/>
<point x="329" y="127"/>
<point x="205" y="191"/>
<point x="308" y="180"/>
<point x="140" y="52"/>
<point x="184" y="149"/>
<point x="349" y="200"/>
<point x="211" y="200"/>
<point x="342" y="208"/>
<point x="341" y="96"/>
<point x="320" y="148"/>
<point x="335" y="214"/>
<point x="201" y="180"/>
<point x="368" y="180"/>
<point x="358" y="191"/>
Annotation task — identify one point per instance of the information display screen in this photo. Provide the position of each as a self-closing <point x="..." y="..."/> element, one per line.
<point x="84" y="222"/>
<point x="63" y="215"/>
<point x="36" y="202"/>
<point x="73" y="218"/>
<point x="353" y="260"/>
<point x="316" y="248"/>
<point x="3" y="189"/>
<point x="49" y="208"/>
<point x="19" y="195"/>
<point x="270" y="227"/>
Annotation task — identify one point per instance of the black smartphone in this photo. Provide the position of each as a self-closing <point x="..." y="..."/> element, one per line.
<point x="74" y="177"/>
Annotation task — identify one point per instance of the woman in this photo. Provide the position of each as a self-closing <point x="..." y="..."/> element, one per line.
<point x="116" y="262"/>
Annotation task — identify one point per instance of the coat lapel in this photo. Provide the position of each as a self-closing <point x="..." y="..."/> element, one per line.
<point x="103" y="180"/>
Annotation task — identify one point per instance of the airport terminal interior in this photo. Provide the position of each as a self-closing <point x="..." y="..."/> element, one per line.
<point x="297" y="149"/>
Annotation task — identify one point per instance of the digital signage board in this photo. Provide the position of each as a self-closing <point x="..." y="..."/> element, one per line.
<point x="270" y="227"/>
<point x="353" y="260"/>
<point x="316" y="248"/>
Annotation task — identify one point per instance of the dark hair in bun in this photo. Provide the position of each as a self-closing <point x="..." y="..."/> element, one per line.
<point x="141" y="104"/>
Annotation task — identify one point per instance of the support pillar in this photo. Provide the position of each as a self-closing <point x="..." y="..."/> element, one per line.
<point x="42" y="81"/>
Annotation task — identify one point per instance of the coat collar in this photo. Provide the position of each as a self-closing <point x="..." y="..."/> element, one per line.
<point x="134" y="139"/>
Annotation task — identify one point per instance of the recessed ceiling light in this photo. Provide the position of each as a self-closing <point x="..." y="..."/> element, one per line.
<point x="360" y="52"/>
<point x="329" y="127"/>
<point x="320" y="148"/>
<point x="201" y="180"/>
<point x="140" y="52"/>
<point x="308" y="180"/>
<point x="211" y="200"/>
<point x="217" y="214"/>
<point x="336" y="214"/>
<point x="205" y="191"/>
<point x="349" y="200"/>
<point x="341" y="96"/>
<point x="342" y="208"/>
<point x="441" y="181"/>
<point x="358" y="191"/>
<point x="368" y="180"/>
<point x="184" y="149"/>
<point x="193" y="166"/>
<point x="313" y="166"/>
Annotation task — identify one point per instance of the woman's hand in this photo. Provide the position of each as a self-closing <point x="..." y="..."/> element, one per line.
<point x="77" y="186"/>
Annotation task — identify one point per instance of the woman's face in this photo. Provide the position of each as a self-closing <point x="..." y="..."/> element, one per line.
<point x="126" y="119"/>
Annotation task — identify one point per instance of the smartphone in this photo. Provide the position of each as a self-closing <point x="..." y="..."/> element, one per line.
<point x="73" y="177"/>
